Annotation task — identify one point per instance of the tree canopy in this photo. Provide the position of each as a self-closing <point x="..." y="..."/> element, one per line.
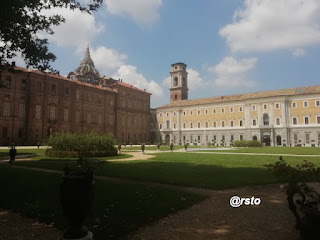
<point x="21" y="20"/>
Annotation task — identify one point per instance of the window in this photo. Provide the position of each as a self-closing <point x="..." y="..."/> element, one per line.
<point x="231" y="109"/>
<point x="307" y="138"/>
<point x="240" y="109"/>
<point x="38" y="112"/>
<point x="191" y="113"/>
<point x="305" y="104"/>
<point x="99" y="99"/>
<point x="168" y="124"/>
<point x="88" y="117"/>
<point x="294" y="105"/>
<point x="4" y="132"/>
<point x="191" y="125"/>
<point x="174" y="126"/>
<point x="277" y="121"/>
<point x="77" y="94"/>
<point x="160" y="125"/>
<point x="175" y="96"/>
<point x="317" y="103"/>
<point x="318" y="119"/>
<point x="294" y="120"/>
<point x="214" y="111"/>
<point x="265" y="106"/>
<point x="231" y="137"/>
<point x="222" y="123"/>
<point x="22" y="110"/>
<point x="53" y="89"/>
<point x="160" y="114"/>
<point x="6" y="109"/>
<point x="174" y="113"/>
<point x="214" y="124"/>
<point x="231" y="123"/>
<point x="8" y="82"/>
<point x="295" y="137"/>
<point x="184" y="125"/>
<point x="199" y="124"/>
<point x="23" y="84"/>
<point x="20" y="132"/>
<point x="207" y="124"/>
<point x="223" y="138"/>
<point x="306" y="120"/>
<point x="100" y="119"/>
<point x="241" y="137"/>
<point x="184" y="113"/>
<point x="277" y="105"/>
<point x="39" y="87"/>
<point x="206" y="111"/>
<point x="222" y="110"/>
<point x="240" y="123"/>
<point x="167" y="114"/>
<point x="254" y="122"/>
<point x="66" y="91"/>
<point x="199" y="112"/>
<point x="253" y="107"/>
<point x="199" y="139"/>
<point x="52" y="113"/>
<point x="77" y="117"/>
<point x="66" y="115"/>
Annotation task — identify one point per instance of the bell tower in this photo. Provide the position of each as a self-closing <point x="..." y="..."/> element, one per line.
<point x="179" y="82"/>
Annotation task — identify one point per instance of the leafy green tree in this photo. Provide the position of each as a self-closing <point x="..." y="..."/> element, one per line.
<point x="21" y="20"/>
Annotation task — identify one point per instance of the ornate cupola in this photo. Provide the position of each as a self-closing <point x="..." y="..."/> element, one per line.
<point x="86" y="72"/>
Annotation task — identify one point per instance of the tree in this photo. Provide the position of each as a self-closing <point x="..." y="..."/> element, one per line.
<point x="21" y="20"/>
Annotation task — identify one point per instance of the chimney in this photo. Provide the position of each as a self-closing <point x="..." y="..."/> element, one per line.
<point x="13" y="64"/>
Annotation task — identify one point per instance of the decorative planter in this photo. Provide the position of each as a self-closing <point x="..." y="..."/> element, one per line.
<point x="309" y="224"/>
<point x="76" y="196"/>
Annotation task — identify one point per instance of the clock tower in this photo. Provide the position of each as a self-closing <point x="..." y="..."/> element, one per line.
<point x="179" y="82"/>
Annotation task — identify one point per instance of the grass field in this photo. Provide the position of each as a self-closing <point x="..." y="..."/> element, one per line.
<point x="118" y="208"/>
<point x="190" y="169"/>
<point x="275" y="150"/>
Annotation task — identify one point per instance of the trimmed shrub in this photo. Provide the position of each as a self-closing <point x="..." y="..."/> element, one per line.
<point x="247" y="143"/>
<point x="68" y="145"/>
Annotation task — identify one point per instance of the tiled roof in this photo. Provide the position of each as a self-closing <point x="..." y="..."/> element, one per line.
<point x="128" y="86"/>
<point x="63" y="78"/>
<point x="246" y="96"/>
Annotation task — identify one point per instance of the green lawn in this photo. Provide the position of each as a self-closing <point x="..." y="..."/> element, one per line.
<point x="118" y="209"/>
<point x="190" y="169"/>
<point x="276" y="150"/>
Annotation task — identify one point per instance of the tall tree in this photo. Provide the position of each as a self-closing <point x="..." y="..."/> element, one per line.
<point x="21" y="20"/>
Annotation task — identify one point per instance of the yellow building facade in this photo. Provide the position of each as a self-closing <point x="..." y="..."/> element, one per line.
<point x="285" y="117"/>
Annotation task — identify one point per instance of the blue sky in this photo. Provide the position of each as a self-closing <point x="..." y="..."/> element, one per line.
<point x="230" y="46"/>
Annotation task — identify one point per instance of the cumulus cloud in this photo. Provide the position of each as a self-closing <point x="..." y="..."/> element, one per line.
<point x="299" y="52"/>
<point x="265" y="25"/>
<point x="194" y="80"/>
<point x="129" y="74"/>
<point x="143" y="12"/>
<point x="77" y="31"/>
<point x="231" y="73"/>
<point x="107" y="59"/>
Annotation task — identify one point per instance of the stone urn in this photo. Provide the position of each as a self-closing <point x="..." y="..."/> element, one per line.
<point x="76" y="197"/>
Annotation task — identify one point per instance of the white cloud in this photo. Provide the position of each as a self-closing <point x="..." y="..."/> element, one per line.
<point x="265" y="25"/>
<point x="299" y="52"/>
<point x="107" y="59"/>
<point x="129" y="74"/>
<point x="77" y="31"/>
<point x="231" y="73"/>
<point x="143" y="12"/>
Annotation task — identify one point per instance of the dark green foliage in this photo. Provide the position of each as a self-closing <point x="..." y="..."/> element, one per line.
<point x="70" y="145"/>
<point x="247" y="143"/>
<point x="20" y="21"/>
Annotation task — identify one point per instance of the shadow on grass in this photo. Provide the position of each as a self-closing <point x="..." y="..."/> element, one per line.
<point x="118" y="208"/>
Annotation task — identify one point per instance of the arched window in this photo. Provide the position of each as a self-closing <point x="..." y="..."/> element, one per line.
<point x="175" y="81"/>
<point x="168" y="124"/>
<point x="254" y="138"/>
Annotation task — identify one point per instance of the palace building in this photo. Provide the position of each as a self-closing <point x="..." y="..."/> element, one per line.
<point x="36" y="104"/>
<point x="285" y="117"/>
